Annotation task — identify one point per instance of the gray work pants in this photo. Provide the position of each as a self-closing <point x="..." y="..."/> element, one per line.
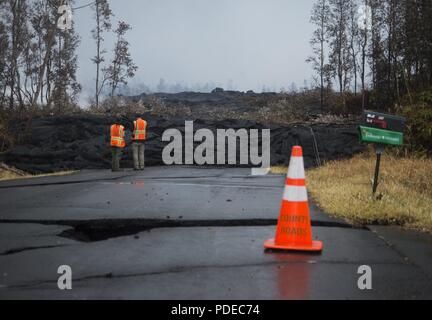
<point x="116" y="155"/>
<point x="138" y="155"/>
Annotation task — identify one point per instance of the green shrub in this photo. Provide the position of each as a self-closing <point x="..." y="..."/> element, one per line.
<point x="418" y="112"/>
<point x="6" y="139"/>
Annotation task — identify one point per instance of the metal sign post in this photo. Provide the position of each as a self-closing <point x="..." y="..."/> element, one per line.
<point x="381" y="130"/>
<point x="379" y="149"/>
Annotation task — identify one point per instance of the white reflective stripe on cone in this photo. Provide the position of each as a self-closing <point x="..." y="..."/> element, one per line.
<point x="295" y="194"/>
<point x="296" y="168"/>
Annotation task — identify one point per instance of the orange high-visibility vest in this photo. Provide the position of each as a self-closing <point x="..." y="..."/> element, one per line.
<point x="117" y="136"/>
<point x="140" y="127"/>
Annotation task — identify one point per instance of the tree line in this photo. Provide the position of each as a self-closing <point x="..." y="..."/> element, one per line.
<point x="379" y="49"/>
<point x="39" y="61"/>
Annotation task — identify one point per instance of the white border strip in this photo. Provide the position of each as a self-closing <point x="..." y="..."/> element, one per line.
<point x="295" y="194"/>
<point x="296" y="168"/>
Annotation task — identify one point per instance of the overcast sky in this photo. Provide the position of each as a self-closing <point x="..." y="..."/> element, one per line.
<point x="250" y="43"/>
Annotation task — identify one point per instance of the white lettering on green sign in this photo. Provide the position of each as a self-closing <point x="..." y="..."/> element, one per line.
<point x="381" y="136"/>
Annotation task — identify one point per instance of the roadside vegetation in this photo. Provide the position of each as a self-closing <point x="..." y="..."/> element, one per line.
<point x="10" y="173"/>
<point x="343" y="189"/>
<point x="404" y="197"/>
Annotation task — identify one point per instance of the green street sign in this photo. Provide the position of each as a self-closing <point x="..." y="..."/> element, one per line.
<point x="375" y="135"/>
<point x="381" y="129"/>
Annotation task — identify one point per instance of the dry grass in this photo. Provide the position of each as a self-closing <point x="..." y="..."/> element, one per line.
<point x="279" y="170"/>
<point x="7" y="175"/>
<point x="14" y="174"/>
<point x="404" y="197"/>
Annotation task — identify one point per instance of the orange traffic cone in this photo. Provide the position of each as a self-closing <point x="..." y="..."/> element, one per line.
<point x="294" y="231"/>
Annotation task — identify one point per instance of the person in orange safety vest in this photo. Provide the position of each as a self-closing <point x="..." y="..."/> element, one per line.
<point x="118" y="142"/>
<point x="139" y="135"/>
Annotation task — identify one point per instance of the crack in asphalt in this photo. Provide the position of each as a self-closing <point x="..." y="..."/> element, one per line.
<point x="44" y="184"/>
<point x="60" y="183"/>
<point x="177" y="270"/>
<point x="100" y="230"/>
<point x="393" y="247"/>
<point x="20" y="250"/>
<point x="404" y="257"/>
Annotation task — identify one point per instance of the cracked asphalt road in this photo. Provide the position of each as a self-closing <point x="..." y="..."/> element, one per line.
<point x="188" y="233"/>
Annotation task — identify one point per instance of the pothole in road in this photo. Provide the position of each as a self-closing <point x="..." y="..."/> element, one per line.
<point x="100" y="230"/>
<point x="93" y="231"/>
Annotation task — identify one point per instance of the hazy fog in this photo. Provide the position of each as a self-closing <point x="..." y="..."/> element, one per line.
<point x="237" y="44"/>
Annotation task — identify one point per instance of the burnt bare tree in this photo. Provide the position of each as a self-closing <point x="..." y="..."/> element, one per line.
<point x="340" y="57"/>
<point x="4" y="44"/>
<point x="320" y="18"/>
<point x="102" y="16"/>
<point x="353" y="39"/>
<point x="363" y="40"/>
<point x="392" y="50"/>
<point x="122" y="66"/>
<point x="65" y="84"/>
<point x="55" y="82"/>
<point x="39" y="61"/>
<point x="14" y="16"/>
